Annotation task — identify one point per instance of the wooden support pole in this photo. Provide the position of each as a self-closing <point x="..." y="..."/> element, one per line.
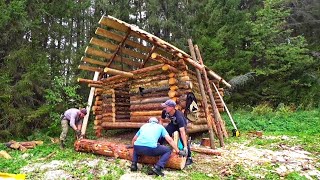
<point x="217" y="117"/>
<point x="90" y="99"/>
<point x="204" y="97"/>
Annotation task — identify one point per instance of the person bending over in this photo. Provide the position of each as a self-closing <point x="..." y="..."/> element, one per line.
<point x="145" y="142"/>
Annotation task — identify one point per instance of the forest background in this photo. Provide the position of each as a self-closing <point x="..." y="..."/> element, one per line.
<point x="268" y="50"/>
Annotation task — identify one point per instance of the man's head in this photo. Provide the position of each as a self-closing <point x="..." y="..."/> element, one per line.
<point x="169" y="105"/>
<point x="83" y="112"/>
<point x="153" y="120"/>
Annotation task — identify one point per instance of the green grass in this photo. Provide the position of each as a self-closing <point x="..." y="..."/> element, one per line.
<point x="304" y="125"/>
<point x="302" y="128"/>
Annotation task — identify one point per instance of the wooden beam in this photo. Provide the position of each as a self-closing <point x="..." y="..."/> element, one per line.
<point x="96" y="52"/>
<point x="100" y="53"/>
<point x="82" y="80"/>
<point x="117" y="72"/>
<point x="93" y="61"/>
<point x="116" y="37"/>
<point x="89" y="68"/>
<point x="119" y="47"/>
<point x="161" y="59"/>
<point x="89" y="104"/>
<point x="149" y="55"/>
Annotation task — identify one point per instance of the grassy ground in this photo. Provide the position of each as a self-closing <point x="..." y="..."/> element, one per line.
<point x="301" y="126"/>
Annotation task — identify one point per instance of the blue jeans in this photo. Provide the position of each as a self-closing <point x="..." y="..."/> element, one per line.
<point x="161" y="150"/>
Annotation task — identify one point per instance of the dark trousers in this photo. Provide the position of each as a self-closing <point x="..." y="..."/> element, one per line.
<point x="162" y="151"/>
<point x="171" y="129"/>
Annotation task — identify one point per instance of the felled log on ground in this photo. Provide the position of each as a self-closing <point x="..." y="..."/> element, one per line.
<point x="120" y="151"/>
<point x="206" y="151"/>
<point x="23" y="146"/>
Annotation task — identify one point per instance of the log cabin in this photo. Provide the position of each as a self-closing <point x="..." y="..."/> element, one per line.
<point x="136" y="71"/>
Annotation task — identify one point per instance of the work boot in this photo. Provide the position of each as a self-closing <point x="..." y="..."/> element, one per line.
<point x="62" y="145"/>
<point x="134" y="167"/>
<point x="157" y="170"/>
<point x="189" y="161"/>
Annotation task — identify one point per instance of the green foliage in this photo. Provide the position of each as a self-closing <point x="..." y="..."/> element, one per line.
<point x="201" y="176"/>
<point x="295" y="176"/>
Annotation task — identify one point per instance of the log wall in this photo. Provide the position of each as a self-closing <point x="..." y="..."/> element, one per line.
<point x="134" y="100"/>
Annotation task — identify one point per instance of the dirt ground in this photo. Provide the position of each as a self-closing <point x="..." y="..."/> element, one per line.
<point x="257" y="162"/>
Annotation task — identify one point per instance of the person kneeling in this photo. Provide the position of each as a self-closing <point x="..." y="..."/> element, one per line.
<point x="145" y="142"/>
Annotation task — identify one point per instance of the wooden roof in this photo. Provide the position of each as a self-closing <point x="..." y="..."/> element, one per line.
<point x="125" y="47"/>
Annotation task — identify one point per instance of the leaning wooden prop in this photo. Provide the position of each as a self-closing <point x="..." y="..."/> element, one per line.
<point x="122" y="151"/>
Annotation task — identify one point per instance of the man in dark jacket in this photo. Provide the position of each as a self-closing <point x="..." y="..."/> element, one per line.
<point x="72" y="117"/>
<point x="177" y="123"/>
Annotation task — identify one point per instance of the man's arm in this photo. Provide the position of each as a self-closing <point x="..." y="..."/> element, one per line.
<point x="72" y="122"/>
<point x="183" y="136"/>
<point x="171" y="142"/>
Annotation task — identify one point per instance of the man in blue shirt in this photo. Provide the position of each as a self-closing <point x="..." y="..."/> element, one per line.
<point x="145" y="142"/>
<point x="178" y="122"/>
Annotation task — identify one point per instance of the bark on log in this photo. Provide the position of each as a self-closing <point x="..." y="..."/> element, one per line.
<point x="142" y="119"/>
<point x="142" y="95"/>
<point x="145" y="107"/>
<point x="150" y="100"/>
<point x="148" y="90"/>
<point x="169" y="68"/>
<point x="146" y="113"/>
<point x="164" y="60"/>
<point x="205" y="151"/>
<point x="147" y="69"/>
<point x="120" y="151"/>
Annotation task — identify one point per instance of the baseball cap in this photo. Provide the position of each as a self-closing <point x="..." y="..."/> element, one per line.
<point x="83" y="111"/>
<point x="169" y="103"/>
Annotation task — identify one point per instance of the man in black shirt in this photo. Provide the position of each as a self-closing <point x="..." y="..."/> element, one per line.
<point x="177" y="123"/>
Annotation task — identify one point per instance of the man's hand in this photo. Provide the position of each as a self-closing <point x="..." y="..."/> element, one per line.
<point x="78" y="133"/>
<point x="185" y="150"/>
<point x="182" y="153"/>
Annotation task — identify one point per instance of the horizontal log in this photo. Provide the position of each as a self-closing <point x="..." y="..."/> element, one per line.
<point x="147" y="69"/>
<point x="150" y="90"/>
<point x="150" y="79"/>
<point x="169" y="68"/>
<point x="113" y="47"/>
<point x="145" y="107"/>
<point x="142" y="119"/>
<point x="149" y="95"/>
<point x="206" y="151"/>
<point x="146" y="113"/>
<point x="117" y="72"/>
<point x="150" y="100"/>
<point x="118" y="150"/>
<point x="164" y="60"/>
<point x="90" y="68"/>
<point x="151" y="84"/>
<point x="119" y="38"/>
<point x="191" y="128"/>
